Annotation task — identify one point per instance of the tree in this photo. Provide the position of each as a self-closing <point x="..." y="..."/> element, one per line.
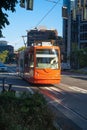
<point x="4" y="56"/>
<point x="6" y="5"/>
<point x="21" y="48"/>
<point x="79" y="58"/>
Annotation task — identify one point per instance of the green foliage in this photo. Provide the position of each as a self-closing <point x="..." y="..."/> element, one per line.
<point x="3" y="56"/>
<point x="26" y="112"/>
<point x="6" y="57"/>
<point x="6" y="5"/>
<point x="79" y="57"/>
<point x="82" y="56"/>
<point x="21" y="48"/>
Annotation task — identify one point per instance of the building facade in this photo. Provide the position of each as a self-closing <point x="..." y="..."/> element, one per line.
<point x="79" y="24"/>
<point x="4" y="46"/>
<point x="75" y="26"/>
<point x="45" y="35"/>
<point x="41" y="35"/>
<point x="66" y="29"/>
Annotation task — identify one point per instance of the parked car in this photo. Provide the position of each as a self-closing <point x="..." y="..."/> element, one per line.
<point x="3" y="67"/>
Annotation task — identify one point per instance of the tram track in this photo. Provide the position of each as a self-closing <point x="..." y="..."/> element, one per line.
<point x="55" y="97"/>
<point x="59" y="96"/>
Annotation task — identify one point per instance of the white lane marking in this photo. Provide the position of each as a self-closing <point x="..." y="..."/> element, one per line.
<point x="50" y="89"/>
<point x="75" y="88"/>
<point x="30" y="90"/>
<point x="14" y="73"/>
<point x="78" y="89"/>
<point x="58" y="90"/>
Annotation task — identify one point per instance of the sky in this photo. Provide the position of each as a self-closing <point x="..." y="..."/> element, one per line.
<point x="23" y="20"/>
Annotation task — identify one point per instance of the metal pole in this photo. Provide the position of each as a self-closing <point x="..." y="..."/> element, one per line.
<point x="3" y="84"/>
<point x="24" y="40"/>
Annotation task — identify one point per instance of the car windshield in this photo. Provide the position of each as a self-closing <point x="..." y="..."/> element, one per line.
<point x="47" y="58"/>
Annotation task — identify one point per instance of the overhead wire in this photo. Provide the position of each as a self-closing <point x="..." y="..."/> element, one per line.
<point x="47" y="13"/>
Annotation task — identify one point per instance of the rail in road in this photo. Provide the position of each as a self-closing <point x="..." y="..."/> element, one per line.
<point x="65" y="99"/>
<point x="61" y="101"/>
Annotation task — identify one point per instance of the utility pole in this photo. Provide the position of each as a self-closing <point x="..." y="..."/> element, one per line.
<point x="25" y="43"/>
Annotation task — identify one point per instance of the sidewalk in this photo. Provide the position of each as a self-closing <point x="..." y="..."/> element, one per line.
<point x="82" y="71"/>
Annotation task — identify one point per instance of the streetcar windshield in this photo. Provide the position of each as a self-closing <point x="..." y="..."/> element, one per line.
<point x="47" y="58"/>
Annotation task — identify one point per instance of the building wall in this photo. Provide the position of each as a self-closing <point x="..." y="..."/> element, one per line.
<point x="4" y="46"/>
<point x="40" y="35"/>
<point x="66" y="28"/>
<point x="3" y="43"/>
<point x="79" y="25"/>
<point x="83" y="34"/>
<point x="77" y="20"/>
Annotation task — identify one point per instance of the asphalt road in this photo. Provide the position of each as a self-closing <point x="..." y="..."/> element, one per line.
<point x="75" y="100"/>
<point x="73" y="97"/>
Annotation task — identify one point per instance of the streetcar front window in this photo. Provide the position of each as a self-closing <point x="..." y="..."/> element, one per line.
<point x="47" y="58"/>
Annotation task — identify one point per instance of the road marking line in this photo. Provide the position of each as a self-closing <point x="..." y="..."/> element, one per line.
<point x="78" y="89"/>
<point x="74" y="88"/>
<point x="57" y="89"/>
<point x="51" y="90"/>
<point x="30" y="90"/>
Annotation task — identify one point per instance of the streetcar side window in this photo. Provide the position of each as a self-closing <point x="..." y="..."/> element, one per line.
<point x="26" y="61"/>
<point x="21" y="63"/>
<point x="31" y="60"/>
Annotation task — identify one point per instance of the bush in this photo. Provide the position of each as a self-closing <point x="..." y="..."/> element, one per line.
<point x="26" y="112"/>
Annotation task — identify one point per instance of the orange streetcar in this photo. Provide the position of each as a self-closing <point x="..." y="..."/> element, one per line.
<point x="40" y="63"/>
